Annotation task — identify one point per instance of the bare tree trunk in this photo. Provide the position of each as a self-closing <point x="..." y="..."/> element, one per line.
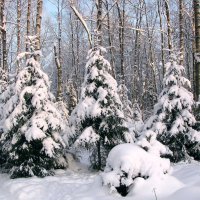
<point x="3" y="37"/>
<point x="112" y="59"/>
<point x="59" y="17"/>
<point x="38" y="23"/>
<point x="59" y="76"/>
<point x="72" y="46"/>
<point x="99" y="22"/>
<point x="18" y="30"/>
<point x="181" y="31"/>
<point x="151" y="57"/>
<point x="137" y="44"/>
<point x="121" y="39"/>
<point x="28" y="22"/>
<point x="197" y="53"/>
<point x="169" y="30"/>
<point x="193" y="54"/>
<point x="162" y="38"/>
<point x="58" y="58"/>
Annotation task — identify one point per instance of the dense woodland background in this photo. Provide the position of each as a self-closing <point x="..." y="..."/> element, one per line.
<point x="138" y="35"/>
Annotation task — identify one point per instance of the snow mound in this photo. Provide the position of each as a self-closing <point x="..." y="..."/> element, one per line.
<point x="126" y="163"/>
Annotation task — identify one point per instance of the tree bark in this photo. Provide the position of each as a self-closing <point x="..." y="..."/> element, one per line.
<point x="3" y="37"/>
<point x="38" y="23"/>
<point x="28" y="22"/>
<point x="59" y="76"/>
<point x="162" y="38"/>
<point x="181" y="31"/>
<point x="99" y="22"/>
<point x="18" y="30"/>
<point x="121" y="16"/>
<point x="197" y="44"/>
<point x="169" y="30"/>
<point x="110" y="41"/>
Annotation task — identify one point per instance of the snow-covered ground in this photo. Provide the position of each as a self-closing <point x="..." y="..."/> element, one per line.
<point x="84" y="185"/>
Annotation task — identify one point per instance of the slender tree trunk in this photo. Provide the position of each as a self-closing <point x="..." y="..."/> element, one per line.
<point x="99" y="22"/>
<point x="18" y="30"/>
<point x="28" y="22"/>
<point x="181" y="31"/>
<point x="150" y="54"/>
<point x="72" y="45"/>
<point x="3" y="37"/>
<point x="58" y="56"/>
<point x="59" y="17"/>
<point x="78" y="82"/>
<point x="38" y="23"/>
<point x="197" y="53"/>
<point x="112" y="59"/>
<point x="59" y="76"/>
<point x="169" y="30"/>
<point x="193" y="54"/>
<point x="121" y="16"/>
<point x="162" y="37"/>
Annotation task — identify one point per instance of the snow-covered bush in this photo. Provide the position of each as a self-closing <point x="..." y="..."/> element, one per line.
<point x="31" y="140"/>
<point x="97" y="122"/>
<point x="173" y="119"/>
<point x="126" y="163"/>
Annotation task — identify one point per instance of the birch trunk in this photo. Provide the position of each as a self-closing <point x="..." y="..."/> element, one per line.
<point x="169" y="30"/>
<point x="38" y="23"/>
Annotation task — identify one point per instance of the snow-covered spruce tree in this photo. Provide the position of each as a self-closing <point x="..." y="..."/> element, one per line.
<point x="173" y="119"/>
<point x="31" y="141"/>
<point x="97" y="122"/>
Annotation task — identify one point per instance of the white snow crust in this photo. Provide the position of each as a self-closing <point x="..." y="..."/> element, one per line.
<point x="182" y="183"/>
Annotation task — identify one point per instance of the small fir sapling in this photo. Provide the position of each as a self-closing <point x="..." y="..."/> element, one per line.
<point x="31" y="138"/>
<point x="170" y="130"/>
<point x="97" y="122"/>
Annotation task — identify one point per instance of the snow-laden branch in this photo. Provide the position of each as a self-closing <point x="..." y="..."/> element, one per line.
<point x="83" y="23"/>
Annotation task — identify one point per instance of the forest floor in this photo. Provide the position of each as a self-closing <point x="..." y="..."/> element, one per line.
<point x="183" y="183"/>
